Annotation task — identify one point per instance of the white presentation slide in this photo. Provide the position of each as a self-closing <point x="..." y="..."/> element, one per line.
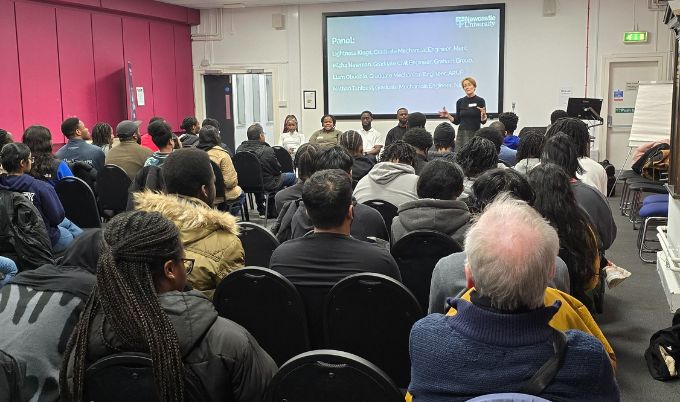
<point x="411" y="59"/>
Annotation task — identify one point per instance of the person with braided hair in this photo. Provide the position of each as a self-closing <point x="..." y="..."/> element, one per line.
<point x="353" y="142"/>
<point x="139" y="304"/>
<point x="305" y="158"/>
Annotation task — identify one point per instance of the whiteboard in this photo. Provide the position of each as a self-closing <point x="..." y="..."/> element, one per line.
<point x="653" y="113"/>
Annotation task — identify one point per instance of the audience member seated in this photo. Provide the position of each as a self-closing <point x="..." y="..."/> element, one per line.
<point x="17" y="161"/>
<point x="128" y="155"/>
<point x="214" y="123"/>
<point x="209" y="236"/>
<point x="421" y="140"/>
<point x="77" y="149"/>
<point x="274" y="180"/>
<point x="448" y="277"/>
<point x="209" y="141"/>
<point x="475" y="157"/>
<point x="161" y="135"/>
<point x="578" y="238"/>
<point x="102" y="136"/>
<point x="328" y="135"/>
<point x="591" y="171"/>
<point x="8" y="269"/>
<point x="40" y="311"/>
<point x="416" y="120"/>
<point x="444" y="139"/>
<point x="353" y="143"/>
<point x="439" y="185"/>
<point x="139" y="304"/>
<point x="529" y="151"/>
<point x="557" y="114"/>
<point x="46" y="167"/>
<point x="397" y="132"/>
<point x="190" y="128"/>
<point x="506" y="156"/>
<point x="291" y="140"/>
<point x="306" y="260"/>
<point x="393" y="180"/>
<point x="5" y="138"/>
<point x="503" y="335"/>
<point x="509" y="120"/>
<point x="304" y="161"/>
<point x="145" y="139"/>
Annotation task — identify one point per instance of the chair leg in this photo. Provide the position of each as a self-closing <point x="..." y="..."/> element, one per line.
<point x="244" y="209"/>
<point x="266" y="208"/>
<point x="656" y="220"/>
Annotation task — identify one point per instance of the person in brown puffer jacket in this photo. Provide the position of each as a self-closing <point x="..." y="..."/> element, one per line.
<point x="210" y="237"/>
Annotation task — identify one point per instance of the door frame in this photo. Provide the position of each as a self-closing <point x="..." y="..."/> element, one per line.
<point x="659" y="57"/>
<point x="228" y="69"/>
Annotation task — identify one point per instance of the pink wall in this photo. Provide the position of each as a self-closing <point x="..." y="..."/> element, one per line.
<point x="66" y="58"/>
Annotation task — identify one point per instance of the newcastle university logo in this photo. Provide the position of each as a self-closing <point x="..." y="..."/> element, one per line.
<point x="484" y="21"/>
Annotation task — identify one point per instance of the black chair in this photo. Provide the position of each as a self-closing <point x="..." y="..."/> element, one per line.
<point x="332" y="376"/>
<point x="541" y="130"/>
<point x="416" y="254"/>
<point x="220" y="192"/>
<point x="112" y="190"/>
<point x="268" y="306"/>
<point x="358" y="320"/>
<point x="79" y="202"/>
<point x="250" y="179"/>
<point x="129" y="377"/>
<point x="284" y="158"/>
<point x="387" y="210"/>
<point x="258" y="244"/>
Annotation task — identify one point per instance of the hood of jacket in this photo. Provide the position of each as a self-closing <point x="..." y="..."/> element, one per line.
<point x="385" y="172"/>
<point x="17" y="183"/>
<point x="192" y="216"/>
<point x="446" y="216"/>
<point x="191" y="314"/>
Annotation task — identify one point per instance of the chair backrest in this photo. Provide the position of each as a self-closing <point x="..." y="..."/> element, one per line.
<point x="541" y="130"/>
<point x="219" y="180"/>
<point x="330" y="376"/>
<point x="358" y="320"/>
<point x="129" y="377"/>
<point x="387" y="210"/>
<point x="112" y="188"/>
<point x="284" y="158"/>
<point x="79" y="202"/>
<point x="268" y="306"/>
<point x="416" y="254"/>
<point x="249" y="172"/>
<point x="258" y="244"/>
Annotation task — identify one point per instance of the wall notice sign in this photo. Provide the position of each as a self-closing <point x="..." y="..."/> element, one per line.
<point x="565" y="94"/>
<point x="632" y="85"/>
<point x="624" y="110"/>
<point x="618" y="95"/>
<point x="140" y="96"/>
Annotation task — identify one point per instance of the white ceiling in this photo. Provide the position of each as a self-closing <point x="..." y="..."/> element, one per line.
<point x="244" y="3"/>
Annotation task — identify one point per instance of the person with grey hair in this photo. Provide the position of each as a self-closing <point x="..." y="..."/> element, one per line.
<point x="504" y="334"/>
<point x="272" y="176"/>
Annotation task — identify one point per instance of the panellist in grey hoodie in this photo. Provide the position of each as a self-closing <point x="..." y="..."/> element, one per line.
<point x="388" y="181"/>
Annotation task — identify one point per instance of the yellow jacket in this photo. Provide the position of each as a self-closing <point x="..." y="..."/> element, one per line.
<point x="209" y="236"/>
<point x="221" y="157"/>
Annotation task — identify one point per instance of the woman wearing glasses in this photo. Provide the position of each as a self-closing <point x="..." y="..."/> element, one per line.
<point x="139" y="305"/>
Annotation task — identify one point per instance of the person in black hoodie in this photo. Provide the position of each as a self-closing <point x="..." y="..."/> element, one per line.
<point x="190" y="136"/>
<point x="139" y="304"/>
<point x="39" y="311"/>
<point x="17" y="161"/>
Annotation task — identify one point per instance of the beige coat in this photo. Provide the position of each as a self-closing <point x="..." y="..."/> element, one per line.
<point x="209" y="236"/>
<point x="231" y="189"/>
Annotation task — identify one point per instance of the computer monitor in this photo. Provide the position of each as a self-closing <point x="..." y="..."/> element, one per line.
<point x="584" y="108"/>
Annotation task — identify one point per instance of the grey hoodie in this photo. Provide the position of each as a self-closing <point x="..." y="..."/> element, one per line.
<point x="450" y="217"/>
<point x="392" y="182"/>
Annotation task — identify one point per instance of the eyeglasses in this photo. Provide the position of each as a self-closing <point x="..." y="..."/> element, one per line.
<point x="188" y="264"/>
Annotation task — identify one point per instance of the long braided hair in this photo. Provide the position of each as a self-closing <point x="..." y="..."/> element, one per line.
<point x="135" y="247"/>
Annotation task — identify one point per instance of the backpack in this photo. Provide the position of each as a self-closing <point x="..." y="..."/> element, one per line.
<point x="663" y="353"/>
<point x="637" y="166"/>
<point x="658" y="163"/>
<point x="611" y="177"/>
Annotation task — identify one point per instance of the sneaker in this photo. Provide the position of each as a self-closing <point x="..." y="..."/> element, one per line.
<point x="615" y="275"/>
<point x="262" y="215"/>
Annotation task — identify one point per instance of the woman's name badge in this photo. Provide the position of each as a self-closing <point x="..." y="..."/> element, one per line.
<point x="472" y="105"/>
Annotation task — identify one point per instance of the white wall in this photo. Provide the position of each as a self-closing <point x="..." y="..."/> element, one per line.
<point x="542" y="54"/>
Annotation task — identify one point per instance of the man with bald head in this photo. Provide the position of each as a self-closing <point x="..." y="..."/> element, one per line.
<point x="502" y="335"/>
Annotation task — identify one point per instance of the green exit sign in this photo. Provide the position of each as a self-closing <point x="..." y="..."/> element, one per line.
<point x="635" y="37"/>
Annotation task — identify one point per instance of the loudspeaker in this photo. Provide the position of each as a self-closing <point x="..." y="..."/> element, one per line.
<point x="278" y="21"/>
<point x="549" y="8"/>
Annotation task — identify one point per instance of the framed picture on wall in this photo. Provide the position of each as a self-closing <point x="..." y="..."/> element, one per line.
<point x="310" y="99"/>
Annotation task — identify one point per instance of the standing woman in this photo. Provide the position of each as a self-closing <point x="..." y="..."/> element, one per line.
<point x="46" y="167"/>
<point x="470" y="112"/>
<point x="291" y="139"/>
<point x="328" y="135"/>
<point x="102" y="136"/>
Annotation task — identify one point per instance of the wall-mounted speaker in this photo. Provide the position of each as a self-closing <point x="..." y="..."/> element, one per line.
<point x="549" y="8"/>
<point x="278" y="21"/>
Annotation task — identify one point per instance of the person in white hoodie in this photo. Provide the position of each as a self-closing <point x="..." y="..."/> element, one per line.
<point x="393" y="180"/>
